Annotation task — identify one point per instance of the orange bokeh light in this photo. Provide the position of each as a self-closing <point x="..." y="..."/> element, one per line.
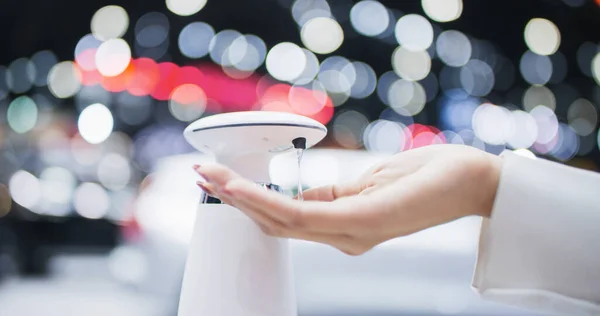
<point x="119" y="82"/>
<point x="307" y="101"/>
<point x="189" y="94"/>
<point x="145" y="77"/>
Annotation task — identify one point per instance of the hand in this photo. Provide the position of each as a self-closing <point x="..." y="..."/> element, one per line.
<point x="411" y="191"/>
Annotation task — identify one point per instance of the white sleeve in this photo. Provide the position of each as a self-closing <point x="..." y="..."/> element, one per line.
<point x="540" y="249"/>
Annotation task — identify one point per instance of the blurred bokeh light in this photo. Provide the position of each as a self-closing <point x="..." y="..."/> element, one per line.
<point x="322" y="35"/>
<point x="95" y="123"/>
<point x="414" y="32"/>
<point x="369" y="17"/>
<point x="443" y="10"/>
<point x="185" y="7"/>
<point x="542" y="36"/>
<point x="95" y="99"/>
<point x="109" y="22"/>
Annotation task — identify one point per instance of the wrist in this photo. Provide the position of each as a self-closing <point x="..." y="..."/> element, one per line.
<point x="490" y="178"/>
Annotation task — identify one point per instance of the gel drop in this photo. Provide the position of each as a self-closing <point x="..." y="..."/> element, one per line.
<point x="299" y="153"/>
<point x="300" y="145"/>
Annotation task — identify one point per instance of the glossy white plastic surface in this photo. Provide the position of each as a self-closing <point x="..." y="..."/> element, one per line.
<point x="246" y="141"/>
<point x="233" y="268"/>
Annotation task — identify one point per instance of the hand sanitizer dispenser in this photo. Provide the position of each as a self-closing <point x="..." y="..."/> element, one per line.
<point x="233" y="268"/>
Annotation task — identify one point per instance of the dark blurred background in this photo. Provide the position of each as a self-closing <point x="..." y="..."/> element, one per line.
<point x="93" y="94"/>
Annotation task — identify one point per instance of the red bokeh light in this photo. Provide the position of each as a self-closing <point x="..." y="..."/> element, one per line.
<point x="326" y="113"/>
<point x="145" y="77"/>
<point x="189" y="74"/>
<point x="167" y="81"/>
<point x="418" y="135"/>
<point x="307" y="101"/>
<point x="276" y="98"/>
<point x="232" y="94"/>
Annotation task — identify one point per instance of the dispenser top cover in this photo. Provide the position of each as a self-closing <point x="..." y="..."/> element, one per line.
<point x="260" y="132"/>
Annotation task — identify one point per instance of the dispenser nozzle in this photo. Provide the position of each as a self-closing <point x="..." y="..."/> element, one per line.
<point x="299" y="143"/>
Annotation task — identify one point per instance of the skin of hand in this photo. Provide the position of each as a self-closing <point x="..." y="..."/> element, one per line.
<point x="410" y="192"/>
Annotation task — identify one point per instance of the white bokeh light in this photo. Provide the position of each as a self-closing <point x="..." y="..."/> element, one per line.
<point x="95" y="123"/>
<point x="547" y="124"/>
<point x="91" y="201"/>
<point x="477" y="78"/>
<point x="220" y="43"/>
<point x="453" y="48"/>
<point x="385" y="137"/>
<point x="311" y="68"/>
<point x="411" y="65"/>
<point x="492" y="123"/>
<point x="542" y="36"/>
<point x="57" y="186"/>
<point x="113" y="57"/>
<point x="304" y="10"/>
<point x="25" y="189"/>
<point x="246" y="53"/>
<point x="369" y="17"/>
<point x="337" y="74"/>
<point x="286" y="61"/>
<point x="524" y="130"/>
<point x="442" y="10"/>
<point x="535" y="69"/>
<point x="538" y="95"/>
<point x="407" y="97"/>
<point x="194" y="39"/>
<point x="109" y="22"/>
<point x="567" y="143"/>
<point x="185" y="7"/>
<point x="114" y="172"/>
<point x="64" y="80"/>
<point x="414" y="32"/>
<point x="366" y="80"/>
<point x="596" y="68"/>
<point x="322" y="35"/>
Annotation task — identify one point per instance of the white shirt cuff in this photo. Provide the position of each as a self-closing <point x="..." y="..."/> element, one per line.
<point x="540" y="249"/>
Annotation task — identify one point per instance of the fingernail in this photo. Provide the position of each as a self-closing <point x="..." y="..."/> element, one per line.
<point x="203" y="187"/>
<point x="195" y="167"/>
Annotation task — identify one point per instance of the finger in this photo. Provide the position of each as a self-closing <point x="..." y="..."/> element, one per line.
<point x="316" y="216"/>
<point x="216" y="173"/>
<point x="207" y="187"/>
<point x="275" y="228"/>
<point x="333" y="192"/>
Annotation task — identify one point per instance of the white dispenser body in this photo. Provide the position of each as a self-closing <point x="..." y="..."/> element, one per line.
<point x="234" y="269"/>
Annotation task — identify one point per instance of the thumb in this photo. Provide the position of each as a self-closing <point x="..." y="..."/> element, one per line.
<point x="328" y="193"/>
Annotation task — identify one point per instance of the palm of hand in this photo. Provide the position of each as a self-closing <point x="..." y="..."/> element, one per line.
<point x="409" y="192"/>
